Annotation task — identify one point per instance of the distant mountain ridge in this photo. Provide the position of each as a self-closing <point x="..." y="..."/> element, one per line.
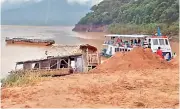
<point x="52" y="12"/>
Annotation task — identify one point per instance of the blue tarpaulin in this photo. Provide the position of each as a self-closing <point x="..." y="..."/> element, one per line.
<point x="159" y="32"/>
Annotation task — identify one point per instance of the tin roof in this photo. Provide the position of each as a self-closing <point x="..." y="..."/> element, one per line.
<point x="62" y="51"/>
<point x="48" y="58"/>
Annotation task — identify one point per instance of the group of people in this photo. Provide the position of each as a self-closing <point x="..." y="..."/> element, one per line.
<point x="129" y="43"/>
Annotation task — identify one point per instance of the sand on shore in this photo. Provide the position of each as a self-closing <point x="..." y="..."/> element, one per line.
<point x="132" y="89"/>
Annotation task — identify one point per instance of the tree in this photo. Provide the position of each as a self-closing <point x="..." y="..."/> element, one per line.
<point x="130" y="12"/>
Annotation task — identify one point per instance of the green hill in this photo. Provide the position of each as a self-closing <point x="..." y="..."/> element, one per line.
<point x="135" y="16"/>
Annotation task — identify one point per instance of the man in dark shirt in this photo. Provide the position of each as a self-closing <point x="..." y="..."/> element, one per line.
<point x="139" y="41"/>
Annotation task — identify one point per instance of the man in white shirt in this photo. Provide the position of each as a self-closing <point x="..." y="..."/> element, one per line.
<point x="145" y="43"/>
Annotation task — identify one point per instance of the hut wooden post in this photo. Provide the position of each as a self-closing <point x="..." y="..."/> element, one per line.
<point x="49" y="64"/>
<point x="84" y="61"/>
<point x="58" y="63"/>
<point x="87" y="56"/>
<point x="16" y="67"/>
<point x="39" y="65"/>
<point x="99" y="58"/>
<point x="83" y="66"/>
<point x="87" y="60"/>
<point x="69" y="63"/>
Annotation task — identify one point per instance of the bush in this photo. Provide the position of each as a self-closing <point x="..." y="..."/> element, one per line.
<point x="143" y="29"/>
<point x="19" y="78"/>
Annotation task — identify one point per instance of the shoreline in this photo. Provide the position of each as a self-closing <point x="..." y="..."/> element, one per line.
<point x="93" y="38"/>
<point x="83" y="90"/>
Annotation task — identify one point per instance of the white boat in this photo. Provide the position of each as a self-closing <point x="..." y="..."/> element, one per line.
<point x="124" y="43"/>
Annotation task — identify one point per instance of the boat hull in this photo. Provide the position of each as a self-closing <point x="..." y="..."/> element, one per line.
<point x="29" y="43"/>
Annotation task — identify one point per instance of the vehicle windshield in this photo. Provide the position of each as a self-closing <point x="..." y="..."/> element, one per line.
<point x="155" y="42"/>
<point x="161" y="42"/>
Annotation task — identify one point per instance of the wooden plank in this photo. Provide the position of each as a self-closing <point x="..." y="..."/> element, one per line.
<point x="16" y="67"/>
<point x="97" y="57"/>
<point x="64" y="61"/>
<point x="87" y="56"/>
<point x="58" y="63"/>
<point x="79" y="64"/>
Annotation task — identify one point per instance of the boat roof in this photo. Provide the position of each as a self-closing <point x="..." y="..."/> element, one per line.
<point x="126" y="36"/>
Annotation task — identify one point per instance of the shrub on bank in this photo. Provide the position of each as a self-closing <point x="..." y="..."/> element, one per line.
<point x="151" y="28"/>
<point x="19" y="78"/>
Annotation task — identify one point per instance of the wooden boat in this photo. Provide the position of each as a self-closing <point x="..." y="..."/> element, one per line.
<point x="29" y="41"/>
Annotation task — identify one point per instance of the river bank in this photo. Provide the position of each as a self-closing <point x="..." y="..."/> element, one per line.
<point x="145" y="88"/>
<point x="62" y="35"/>
<point x="134" y="88"/>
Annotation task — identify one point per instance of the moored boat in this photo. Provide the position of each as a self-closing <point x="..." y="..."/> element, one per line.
<point x="42" y="42"/>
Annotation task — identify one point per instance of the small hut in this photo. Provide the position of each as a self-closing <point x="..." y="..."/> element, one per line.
<point x="80" y="58"/>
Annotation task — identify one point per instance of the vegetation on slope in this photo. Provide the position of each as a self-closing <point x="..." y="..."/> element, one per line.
<point x="21" y="78"/>
<point x="135" y="16"/>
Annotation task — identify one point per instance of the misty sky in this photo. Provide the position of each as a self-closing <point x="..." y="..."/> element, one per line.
<point x="82" y="2"/>
<point x="44" y="12"/>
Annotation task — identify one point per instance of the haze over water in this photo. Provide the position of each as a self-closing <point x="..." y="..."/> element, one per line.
<point x="10" y="54"/>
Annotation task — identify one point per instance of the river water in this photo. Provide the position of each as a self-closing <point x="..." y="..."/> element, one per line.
<point x="10" y="54"/>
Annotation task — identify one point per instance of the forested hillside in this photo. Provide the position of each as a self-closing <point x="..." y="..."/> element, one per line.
<point x="135" y="16"/>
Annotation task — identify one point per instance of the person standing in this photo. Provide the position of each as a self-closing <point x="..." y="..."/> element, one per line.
<point x="118" y="41"/>
<point x="145" y="43"/>
<point x="131" y="41"/>
<point x="160" y="53"/>
<point x="167" y="57"/>
<point x="139" y="41"/>
<point x="135" y="41"/>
